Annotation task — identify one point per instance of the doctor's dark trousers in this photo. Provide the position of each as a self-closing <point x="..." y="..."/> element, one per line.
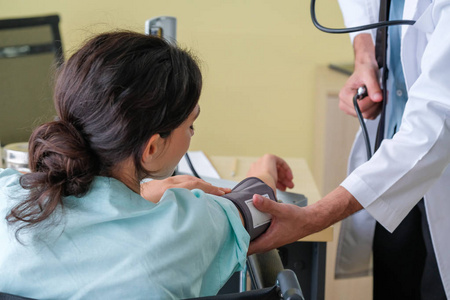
<point x="404" y="262"/>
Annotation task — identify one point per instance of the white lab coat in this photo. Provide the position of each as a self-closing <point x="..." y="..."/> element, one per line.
<point x="415" y="163"/>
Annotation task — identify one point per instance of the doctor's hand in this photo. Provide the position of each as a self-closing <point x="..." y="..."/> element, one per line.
<point x="274" y="171"/>
<point x="285" y="226"/>
<point x="291" y="223"/>
<point x="153" y="190"/>
<point x="365" y="73"/>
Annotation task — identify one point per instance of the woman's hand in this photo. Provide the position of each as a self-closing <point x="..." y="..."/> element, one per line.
<point x="154" y="189"/>
<point x="274" y="171"/>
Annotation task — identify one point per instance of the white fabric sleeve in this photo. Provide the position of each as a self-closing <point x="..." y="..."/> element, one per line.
<point x="359" y="12"/>
<point x="404" y="168"/>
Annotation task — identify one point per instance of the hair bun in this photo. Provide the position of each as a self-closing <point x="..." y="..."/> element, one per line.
<point x="59" y="150"/>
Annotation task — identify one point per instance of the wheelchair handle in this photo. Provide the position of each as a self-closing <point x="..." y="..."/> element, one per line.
<point x="289" y="286"/>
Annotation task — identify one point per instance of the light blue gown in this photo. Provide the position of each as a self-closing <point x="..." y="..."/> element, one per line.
<point x="113" y="244"/>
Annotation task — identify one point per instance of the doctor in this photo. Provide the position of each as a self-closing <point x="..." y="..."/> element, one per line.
<point x="411" y="166"/>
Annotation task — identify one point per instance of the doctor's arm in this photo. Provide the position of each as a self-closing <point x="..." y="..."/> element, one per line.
<point x="358" y="13"/>
<point x="291" y="222"/>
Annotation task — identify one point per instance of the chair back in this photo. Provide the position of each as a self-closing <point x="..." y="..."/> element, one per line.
<point x="5" y="296"/>
<point x="30" y="51"/>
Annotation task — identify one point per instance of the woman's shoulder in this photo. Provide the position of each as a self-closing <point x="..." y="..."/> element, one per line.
<point x="10" y="187"/>
<point x="107" y="198"/>
<point x="9" y="178"/>
<point x="8" y="172"/>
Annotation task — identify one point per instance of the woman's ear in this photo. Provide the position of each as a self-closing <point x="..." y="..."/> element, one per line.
<point x="152" y="148"/>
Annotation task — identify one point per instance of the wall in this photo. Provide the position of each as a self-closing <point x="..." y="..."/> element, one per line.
<point x="258" y="59"/>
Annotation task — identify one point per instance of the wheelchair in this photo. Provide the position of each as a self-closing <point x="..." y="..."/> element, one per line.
<point x="269" y="280"/>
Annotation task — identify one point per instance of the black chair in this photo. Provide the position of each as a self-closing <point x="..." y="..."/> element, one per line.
<point x="5" y="296"/>
<point x="30" y="51"/>
<point x="269" y="281"/>
<point x="286" y="287"/>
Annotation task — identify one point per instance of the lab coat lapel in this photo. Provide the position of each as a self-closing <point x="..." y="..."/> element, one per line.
<point x="409" y="9"/>
<point x="412" y="44"/>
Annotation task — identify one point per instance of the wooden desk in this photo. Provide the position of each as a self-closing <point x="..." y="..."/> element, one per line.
<point x="307" y="257"/>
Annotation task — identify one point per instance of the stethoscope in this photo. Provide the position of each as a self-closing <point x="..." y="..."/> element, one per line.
<point x="362" y="91"/>
<point x="357" y="28"/>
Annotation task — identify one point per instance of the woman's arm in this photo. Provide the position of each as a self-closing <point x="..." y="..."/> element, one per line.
<point x="271" y="169"/>
<point x="274" y="171"/>
<point x="153" y="190"/>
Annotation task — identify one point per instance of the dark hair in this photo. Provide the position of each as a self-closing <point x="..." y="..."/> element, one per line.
<point x="111" y="96"/>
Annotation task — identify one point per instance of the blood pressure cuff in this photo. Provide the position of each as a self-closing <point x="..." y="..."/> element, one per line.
<point x="255" y="221"/>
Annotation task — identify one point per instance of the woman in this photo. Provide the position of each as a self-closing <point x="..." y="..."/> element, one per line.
<point x="77" y="225"/>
